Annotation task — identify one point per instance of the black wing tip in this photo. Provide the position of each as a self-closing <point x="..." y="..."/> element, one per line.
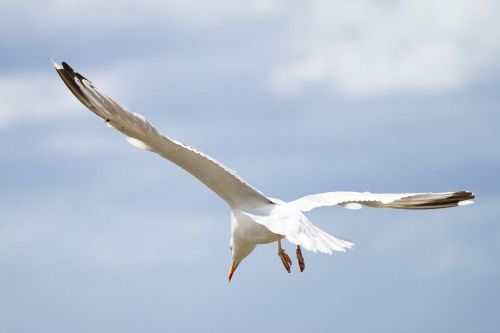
<point x="450" y="199"/>
<point x="461" y="198"/>
<point x="464" y="195"/>
<point x="60" y="65"/>
<point x="69" y="69"/>
<point x="63" y="68"/>
<point x="72" y="72"/>
<point x="70" y="79"/>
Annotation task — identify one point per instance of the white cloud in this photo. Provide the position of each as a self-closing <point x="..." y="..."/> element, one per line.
<point x="123" y="244"/>
<point x="70" y="142"/>
<point x="41" y="95"/>
<point x="447" y="242"/>
<point x="135" y="247"/>
<point x="356" y="47"/>
<point x="365" y="47"/>
<point x="32" y="96"/>
<point x="98" y="16"/>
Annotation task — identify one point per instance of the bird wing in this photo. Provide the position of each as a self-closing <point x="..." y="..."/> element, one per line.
<point x="223" y="181"/>
<point x="355" y="200"/>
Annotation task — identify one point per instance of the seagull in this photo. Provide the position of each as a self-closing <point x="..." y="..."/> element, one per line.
<point x="255" y="217"/>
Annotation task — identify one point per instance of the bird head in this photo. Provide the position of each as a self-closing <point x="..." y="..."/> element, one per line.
<point x="239" y="251"/>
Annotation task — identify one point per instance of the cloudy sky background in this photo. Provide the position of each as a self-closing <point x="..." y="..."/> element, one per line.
<point x="299" y="98"/>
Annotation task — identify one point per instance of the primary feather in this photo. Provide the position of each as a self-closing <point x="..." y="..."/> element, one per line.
<point x="223" y="181"/>
<point x="354" y="200"/>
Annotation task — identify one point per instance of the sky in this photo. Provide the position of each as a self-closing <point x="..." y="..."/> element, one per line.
<point x="299" y="98"/>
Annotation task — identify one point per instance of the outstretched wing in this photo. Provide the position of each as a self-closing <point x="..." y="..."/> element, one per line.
<point x="354" y="200"/>
<point x="140" y="133"/>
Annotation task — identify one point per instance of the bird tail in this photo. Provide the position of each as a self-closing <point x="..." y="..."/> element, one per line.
<point x="286" y="220"/>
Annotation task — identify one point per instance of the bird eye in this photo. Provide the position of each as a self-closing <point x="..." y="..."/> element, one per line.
<point x="230" y="249"/>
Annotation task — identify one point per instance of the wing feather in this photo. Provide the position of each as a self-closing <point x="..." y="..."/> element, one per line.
<point x="354" y="200"/>
<point x="284" y="219"/>
<point x="223" y="181"/>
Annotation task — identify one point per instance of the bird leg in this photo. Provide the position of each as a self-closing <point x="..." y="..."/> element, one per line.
<point x="285" y="259"/>
<point x="300" y="258"/>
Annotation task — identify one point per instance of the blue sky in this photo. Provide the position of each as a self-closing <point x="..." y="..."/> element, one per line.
<point x="299" y="98"/>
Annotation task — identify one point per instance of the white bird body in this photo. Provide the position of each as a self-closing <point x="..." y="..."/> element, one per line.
<point x="255" y="218"/>
<point x="245" y="229"/>
<point x="246" y="234"/>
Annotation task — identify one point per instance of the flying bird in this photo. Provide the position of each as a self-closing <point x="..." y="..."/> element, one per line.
<point x="255" y="217"/>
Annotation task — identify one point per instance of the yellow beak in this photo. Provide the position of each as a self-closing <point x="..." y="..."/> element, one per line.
<point x="232" y="268"/>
